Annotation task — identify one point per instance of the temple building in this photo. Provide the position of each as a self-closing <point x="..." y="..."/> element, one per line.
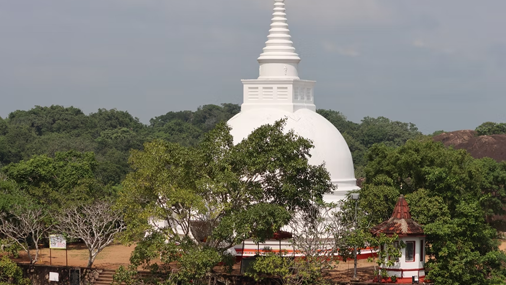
<point x="279" y="93"/>
<point x="410" y="266"/>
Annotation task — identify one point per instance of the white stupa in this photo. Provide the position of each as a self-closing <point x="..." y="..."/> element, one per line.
<point x="279" y="93"/>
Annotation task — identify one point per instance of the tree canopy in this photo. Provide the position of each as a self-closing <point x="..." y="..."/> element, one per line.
<point x="451" y="194"/>
<point x="491" y="128"/>
<point x="215" y="195"/>
<point x="110" y="134"/>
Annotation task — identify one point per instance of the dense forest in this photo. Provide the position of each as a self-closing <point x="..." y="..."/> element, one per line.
<point x="111" y="134"/>
<point x="60" y="167"/>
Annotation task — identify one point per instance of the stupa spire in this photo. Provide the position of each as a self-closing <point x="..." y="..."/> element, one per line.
<point x="279" y="59"/>
<point x="279" y="86"/>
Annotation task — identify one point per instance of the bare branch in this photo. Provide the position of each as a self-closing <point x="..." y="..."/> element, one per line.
<point x="96" y="224"/>
<point x="23" y="224"/>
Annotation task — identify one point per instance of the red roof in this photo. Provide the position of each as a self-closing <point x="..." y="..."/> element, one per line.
<point x="400" y="222"/>
<point x="401" y="210"/>
<point x="281" y="235"/>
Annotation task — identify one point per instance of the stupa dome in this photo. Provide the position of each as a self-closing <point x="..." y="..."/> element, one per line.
<point x="329" y="145"/>
<point x="279" y="93"/>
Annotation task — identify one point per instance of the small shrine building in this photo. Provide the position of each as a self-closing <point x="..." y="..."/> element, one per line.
<point x="411" y="263"/>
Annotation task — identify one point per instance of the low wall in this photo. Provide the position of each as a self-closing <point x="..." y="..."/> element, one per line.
<point x="39" y="274"/>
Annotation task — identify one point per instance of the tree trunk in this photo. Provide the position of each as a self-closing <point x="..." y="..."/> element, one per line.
<point x="29" y="255"/>
<point x="36" y="253"/>
<point x="91" y="258"/>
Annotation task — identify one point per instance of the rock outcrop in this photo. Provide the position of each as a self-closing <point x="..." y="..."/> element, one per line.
<point x="493" y="146"/>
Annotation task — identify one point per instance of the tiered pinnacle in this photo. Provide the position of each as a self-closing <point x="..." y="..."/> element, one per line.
<point x="279" y="86"/>
<point x="279" y="46"/>
<point x="279" y="58"/>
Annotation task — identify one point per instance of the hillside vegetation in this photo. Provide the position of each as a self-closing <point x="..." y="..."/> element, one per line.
<point x="109" y="173"/>
<point x="111" y="134"/>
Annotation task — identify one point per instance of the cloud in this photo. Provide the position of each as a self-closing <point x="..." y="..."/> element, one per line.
<point x="344" y="51"/>
<point x="405" y="54"/>
<point x="339" y="12"/>
<point x="348" y="52"/>
<point x="419" y="43"/>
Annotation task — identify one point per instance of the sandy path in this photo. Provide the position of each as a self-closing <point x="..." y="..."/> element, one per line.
<point x="116" y="255"/>
<point x="112" y="257"/>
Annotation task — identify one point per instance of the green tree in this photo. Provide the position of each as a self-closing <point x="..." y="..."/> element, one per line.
<point x="52" y="143"/>
<point x="60" y="181"/>
<point x="104" y="120"/>
<point x="464" y="250"/>
<point x="218" y="194"/>
<point x="205" y="118"/>
<point x="388" y="249"/>
<point x="491" y="128"/>
<point x="11" y="273"/>
<point x="14" y="145"/>
<point x="3" y="127"/>
<point x="316" y="236"/>
<point x="383" y="130"/>
<point x="427" y="209"/>
<point x="53" y="119"/>
<point x="340" y="121"/>
<point x="288" y="270"/>
<point x="379" y="198"/>
<point x="10" y="194"/>
<point x="449" y="192"/>
<point x="436" y="133"/>
<point x="492" y="183"/>
<point x="423" y="164"/>
<point x="180" y="132"/>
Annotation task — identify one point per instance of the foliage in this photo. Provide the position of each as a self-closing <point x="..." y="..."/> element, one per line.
<point x="464" y="250"/>
<point x="57" y="182"/>
<point x="492" y="183"/>
<point x="315" y="236"/>
<point x="130" y="276"/>
<point x="54" y="119"/>
<point x="110" y="134"/>
<point x="208" y="198"/>
<point x="424" y="164"/>
<point x="436" y="133"/>
<point x="127" y="276"/>
<point x="356" y="217"/>
<point x="388" y="250"/>
<point x="205" y="118"/>
<point x="3" y="127"/>
<point x="11" y="273"/>
<point x="427" y="209"/>
<point x="360" y="137"/>
<point x="379" y="198"/>
<point x="10" y="247"/>
<point x="288" y="270"/>
<point x="10" y="194"/>
<point x="451" y="194"/>
<point x="490" y="128"/>
<point x="14" y="146"/>
<point x="382" y="130"/>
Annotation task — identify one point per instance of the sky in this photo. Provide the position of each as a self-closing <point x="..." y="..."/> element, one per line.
<point x="438" y="64"/>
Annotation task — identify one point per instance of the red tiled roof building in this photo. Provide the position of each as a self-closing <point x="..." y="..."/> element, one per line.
<point x="412" y="261"/>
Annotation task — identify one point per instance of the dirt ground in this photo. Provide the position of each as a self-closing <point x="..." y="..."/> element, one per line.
<point x="116" y="255"/>
<point x="112" y="257"/>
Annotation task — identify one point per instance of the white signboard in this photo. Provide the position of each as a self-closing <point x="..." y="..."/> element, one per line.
<point x="57" y="242"/>
<point x="54" y="276"/>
